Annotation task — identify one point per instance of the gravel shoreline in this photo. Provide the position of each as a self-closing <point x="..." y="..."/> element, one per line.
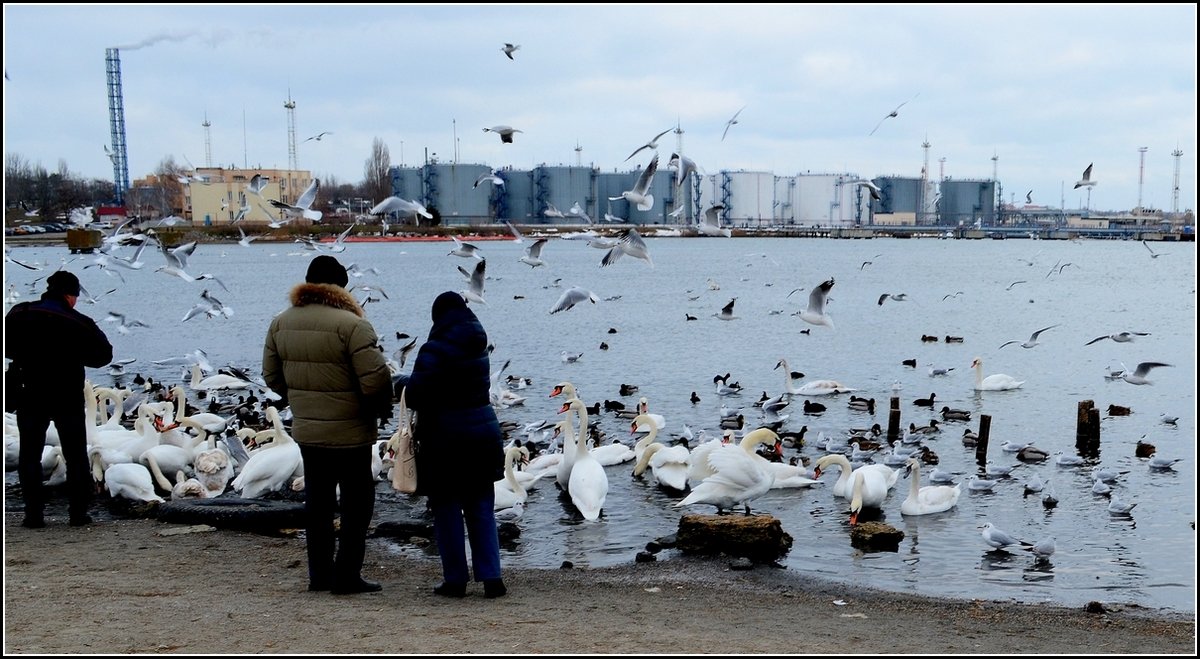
<point x="143" y="586"/>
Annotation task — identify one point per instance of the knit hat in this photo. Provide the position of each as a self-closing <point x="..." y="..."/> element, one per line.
<point x="326" y="270"/>
<point x="63" y="283"/>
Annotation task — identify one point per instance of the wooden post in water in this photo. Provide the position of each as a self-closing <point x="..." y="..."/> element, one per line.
<point x="1087" y="428"/>
<point x="985" y="429"/>
<point x="893" y="431"/>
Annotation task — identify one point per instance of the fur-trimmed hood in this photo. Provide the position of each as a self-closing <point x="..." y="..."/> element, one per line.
<point x="329" y="295"/>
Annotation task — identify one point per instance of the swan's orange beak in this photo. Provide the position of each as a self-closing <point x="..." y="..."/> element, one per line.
<point x="564" y="408"/>
<point x="633" y="428"/>
<point x="853" y="518"/>
<point x="779" y="448"/>
<point x="554" y="392"/>
<point x="816" y="472"/>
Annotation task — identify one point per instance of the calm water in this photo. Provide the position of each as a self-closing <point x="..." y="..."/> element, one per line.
<point x="1110" y="286"/>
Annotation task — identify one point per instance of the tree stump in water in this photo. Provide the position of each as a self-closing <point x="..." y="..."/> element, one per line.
<point x="760" y="538"/>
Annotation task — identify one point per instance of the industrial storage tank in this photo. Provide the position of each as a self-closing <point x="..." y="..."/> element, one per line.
<point x="448" y="188"/>
<point x="562" y="187"/>
<point x="661" y="188"/>
<point x="965" y="202"/>
<point x="748" y="197"/>
<point x="517" y="205"/>
<point x="899" y="194"/>
<point x="830" y="200"/>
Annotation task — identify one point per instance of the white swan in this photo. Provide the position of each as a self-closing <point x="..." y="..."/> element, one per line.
<point x="210" y="422"/>
<point x="738" y="477"/>
<point x="613" y="454"/>
<point x="699" y="469"/>
<point x="270" y="468"/>
<point x="130" y="480"/>
<point x="823" y="388"/>
<point x="166" y="458"/>
<point x="929" y="499"/>
<point x="508" y="490"/>
<point x="644" y="408"/>
<point x="669" y="464"/>
<point x="588" y="484"/>
<point x="870" y="489"/>
<point x="569" y="444"/>
<point x="994" y="382"/>
<point x="843" y="486"/>
<point x="789" y="380"/>
<point x="215" y="382"/>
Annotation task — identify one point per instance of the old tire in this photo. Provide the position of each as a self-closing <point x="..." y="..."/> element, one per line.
<point x="255" y="515"/>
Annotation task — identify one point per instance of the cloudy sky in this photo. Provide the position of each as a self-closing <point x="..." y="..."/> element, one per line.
<point x="1047" y="89"/>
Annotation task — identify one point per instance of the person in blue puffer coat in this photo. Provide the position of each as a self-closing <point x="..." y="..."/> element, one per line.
<point x="460" y="453"/>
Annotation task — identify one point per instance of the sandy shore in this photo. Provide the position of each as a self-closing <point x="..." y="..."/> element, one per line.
<point x="143" y="586"/>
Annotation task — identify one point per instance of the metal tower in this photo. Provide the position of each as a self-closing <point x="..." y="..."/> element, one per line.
<point x="291" y="109"/>
<point x="578" y="154"/>
<point x="942" y="168"/>
<point x="1175" y="187"/>
<point x="116" y="126"/>
<point x="1141" y="175"/>
<point x="207" y="141"/>
<point x="922" y="195"/>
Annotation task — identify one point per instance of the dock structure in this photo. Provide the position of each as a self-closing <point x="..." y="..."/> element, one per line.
<point x="84" y="241"/>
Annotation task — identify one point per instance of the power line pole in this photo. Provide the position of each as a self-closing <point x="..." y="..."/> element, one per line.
<point x="1141" y="176"/>
<point x="1177" y="153"/>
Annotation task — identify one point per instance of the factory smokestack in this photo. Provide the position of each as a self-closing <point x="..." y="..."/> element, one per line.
<point x="116" y="124"/>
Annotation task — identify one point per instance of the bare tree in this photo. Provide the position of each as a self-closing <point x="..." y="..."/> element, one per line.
<point x="377" y="185"/>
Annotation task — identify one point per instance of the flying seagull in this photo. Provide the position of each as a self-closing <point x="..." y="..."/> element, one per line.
<point x="488" y="177"/>
<point x="1138" y="376"/>
<point x="732" y="120"/>
<point x="318" y="136"/>
<point x="1153" y="254"/>
<point x="726" y="312"/>
<point x="533" y="253"/>
<point x="303" y="205"/>
<point x="474" y="290"/>
<point x="876" y="192"/>
<point x="1119" y="337"/>
<point x="505" y="132"/>
<point x="1033" y="339"/>
<point x="509" y="49"/>
<point x="395" y="204"/>
<point x="571" y="297"/>
<point x="640" y="194"/>
<point x="815" y="313"/>
<point x="652" y="144"/>
<point x="1029" y="197"/>
<point x="1087" y="178"/>
<point x="891" y="114"/>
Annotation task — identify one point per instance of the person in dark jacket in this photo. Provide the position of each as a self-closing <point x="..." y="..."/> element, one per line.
<point x="460" y="451"/>
<point x="44" y="383"/>
<point x="322" y="356"/>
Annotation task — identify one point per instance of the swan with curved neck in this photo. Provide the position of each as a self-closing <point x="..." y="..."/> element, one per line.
<point x="869" y="491"/>
<point x="844" y="485"/>
<point x="570" y="441"/>
<point x="994" y="382"/>
<point x="588" y="484"/>
<point x="269" y="469"/>
<point x="738" y="478"/>
<point x="930" y="498"/>
<point x="509" y="490"/>
<point x="789" y="383"/>
<point x="668" y="463"/>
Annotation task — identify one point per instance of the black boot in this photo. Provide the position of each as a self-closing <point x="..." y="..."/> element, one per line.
<point x="493" y="588"/>
<point x="451" y="589"/>
<point x="354" y="586"/>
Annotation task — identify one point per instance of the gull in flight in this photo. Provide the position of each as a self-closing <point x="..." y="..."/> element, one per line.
<point x="1138" y="376"/>
<point x="1086" y="180"/>
<point x="177" y="260"/>
<point x="551" y="211"/>
<point x="400" y="206"/>
<point x="898" y="297"/>
<point x="505" y="133"/>
<point x="517" y="237"/>
<point x="571" y="297"/>
<point x="258" y="183"/>
<point x="402" y="352"/>
<point x="729" y="124"/>
<point x="652" y="144"/>
<point x="876" y="192"/>
<point x="1029" y="197"/>
<point x="124" y="324"/>
<point x="684" y="168"/>
<point x="474" y="290"/>
<point x="630" y="243"/>
<point x="465" y="250"/>
<point x="815" y="313"/>
<point x="303" y="205"/>
<point x="1119" y="337"/>
<point x="533" y="253"/>
<point x="245" y="240"/>
<point x="710" y="223"/>
<point x="891" y="114"/>
<point x="726" y="312"/>
<point x="509" y="49"/>
<point x="578" y="211"/>
<point x="640" y="194"/>
<point x="318" y="136"/>
<point x="1033" y="339"/>
<point x="1153" y="254"/>
<point x="209" y="306"/>
<point x="1019" y="281"/>
<point x="488" y="176"/>
<point x="609" y="217"/>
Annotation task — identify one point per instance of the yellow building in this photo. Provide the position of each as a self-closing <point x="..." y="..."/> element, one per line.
<point x="216" y="196"/>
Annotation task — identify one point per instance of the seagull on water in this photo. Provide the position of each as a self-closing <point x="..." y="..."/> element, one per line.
<point x="999" y="539"/>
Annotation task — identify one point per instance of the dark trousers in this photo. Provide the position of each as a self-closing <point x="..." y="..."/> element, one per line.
<point x="32" y="422"/>
<point x="449" y="513"/>
<point x="325" y="471"/>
